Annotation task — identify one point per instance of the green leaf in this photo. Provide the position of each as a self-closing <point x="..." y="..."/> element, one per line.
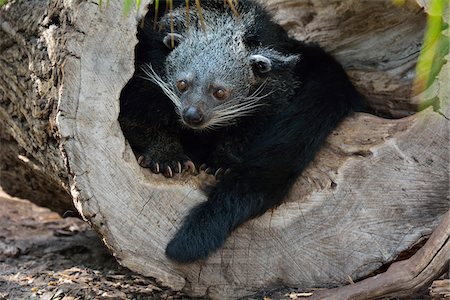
<point x="127" y="6"/>
<point x="434" y="50"/>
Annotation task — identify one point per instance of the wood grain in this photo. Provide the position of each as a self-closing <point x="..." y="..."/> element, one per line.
<point x="404" y="277"/>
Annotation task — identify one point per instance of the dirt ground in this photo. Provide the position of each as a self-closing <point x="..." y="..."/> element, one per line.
<point x="44" y="256"/>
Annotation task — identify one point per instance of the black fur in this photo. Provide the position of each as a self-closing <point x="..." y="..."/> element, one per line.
<point x="265" y="152"/>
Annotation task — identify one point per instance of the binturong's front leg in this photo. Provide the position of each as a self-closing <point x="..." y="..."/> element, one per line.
<point x="234" y="200"/>
<point x="258" y="183"/>
<point x="150" y="124"/>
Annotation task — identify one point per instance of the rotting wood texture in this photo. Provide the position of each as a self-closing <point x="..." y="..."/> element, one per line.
<point x="376" y="188"/>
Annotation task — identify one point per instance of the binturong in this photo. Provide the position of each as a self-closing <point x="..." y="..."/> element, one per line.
<point x="230" y="93"/>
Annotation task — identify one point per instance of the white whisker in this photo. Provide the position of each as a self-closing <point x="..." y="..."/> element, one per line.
<point x="152" y="76"/>
<point x="259" y="89"/>
<point x="229" y="114"/>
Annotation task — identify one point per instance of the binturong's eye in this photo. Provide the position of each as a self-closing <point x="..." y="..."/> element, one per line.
<point x="182" y="85"/>
<point x="220" y="94"/>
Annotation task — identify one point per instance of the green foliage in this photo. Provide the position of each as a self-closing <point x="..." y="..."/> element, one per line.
<point x="127" y="5"/>
<point x="3" y="2"/>
<point x="399" y="2"/>
<point x="435" y="47"/>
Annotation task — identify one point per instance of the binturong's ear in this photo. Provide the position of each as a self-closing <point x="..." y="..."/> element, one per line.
<point x="171" y="40"/>
<point x="260" y="63"/>
<point x="266" y="60"/>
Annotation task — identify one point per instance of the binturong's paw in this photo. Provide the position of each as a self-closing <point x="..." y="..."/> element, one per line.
<point x="167" y="166"/>
<point x="218" y="172"/>
<point x="202" y="232"/>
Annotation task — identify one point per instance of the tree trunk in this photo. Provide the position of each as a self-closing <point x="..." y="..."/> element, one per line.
<point x="378" y="186"/>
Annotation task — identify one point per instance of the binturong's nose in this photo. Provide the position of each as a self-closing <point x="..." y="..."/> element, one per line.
<point x="193" y="116"/>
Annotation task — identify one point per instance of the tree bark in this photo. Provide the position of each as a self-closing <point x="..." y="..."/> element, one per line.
<point x="378" y="186"/>
<point x="31" y="76"/>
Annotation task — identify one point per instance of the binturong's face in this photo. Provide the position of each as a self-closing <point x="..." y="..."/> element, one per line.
<point x="211" y="76"/>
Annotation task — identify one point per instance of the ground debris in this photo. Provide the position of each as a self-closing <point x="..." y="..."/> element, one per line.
<point x="43" y="256"/>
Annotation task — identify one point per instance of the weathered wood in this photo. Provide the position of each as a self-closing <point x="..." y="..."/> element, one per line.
<point x="376" y="188"/>
<point x="31" y="66"/>
<point x="404" y="277"/>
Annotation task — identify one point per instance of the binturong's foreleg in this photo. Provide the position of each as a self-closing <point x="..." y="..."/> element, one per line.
<point x="207" y="226"/>
<point x="150" y="124"/>
<point x="262" y="181"/>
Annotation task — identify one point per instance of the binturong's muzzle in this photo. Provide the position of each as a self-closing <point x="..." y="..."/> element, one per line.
<point x="193" y="116"/>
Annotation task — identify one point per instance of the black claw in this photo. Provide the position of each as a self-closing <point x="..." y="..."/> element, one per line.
<point x="168" y="172"/>
<point x="155" y="168"/>
<point x="189" y="166"/>
<point x="140" y="160"/>
<point x="167" y="168"/>
<point x="219" y="173"/>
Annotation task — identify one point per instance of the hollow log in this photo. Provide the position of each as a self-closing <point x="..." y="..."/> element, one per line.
<point x="379" y="185"/>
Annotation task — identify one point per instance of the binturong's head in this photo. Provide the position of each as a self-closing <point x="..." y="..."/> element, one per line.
<point x="213" y="77"/>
